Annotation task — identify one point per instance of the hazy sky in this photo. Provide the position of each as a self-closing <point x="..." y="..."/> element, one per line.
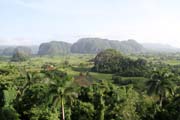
<point x="36" y="21"/>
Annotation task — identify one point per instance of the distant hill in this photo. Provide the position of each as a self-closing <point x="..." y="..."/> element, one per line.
<point x="34" y="49"/>
<point x="21" y="53"/>
<point x="95" y="45"/>
<point x="156" y="47"/>
<point x="23" y="49"/>
<point x="91" y="46"/>
<point x="128" y="46"/>
<point x="54" y="48"/>
<point x="8" y="51"/>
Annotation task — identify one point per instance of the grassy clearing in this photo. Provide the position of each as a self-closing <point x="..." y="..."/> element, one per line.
<point x="77" y="63"/>
<point x="172" y="62"/>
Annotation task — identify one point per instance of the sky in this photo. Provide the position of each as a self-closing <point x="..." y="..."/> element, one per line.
<point x="31" y="22"/>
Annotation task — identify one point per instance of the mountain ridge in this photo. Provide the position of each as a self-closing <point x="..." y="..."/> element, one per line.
<point x="95" y="45"/>
<point x="91" y="45"/>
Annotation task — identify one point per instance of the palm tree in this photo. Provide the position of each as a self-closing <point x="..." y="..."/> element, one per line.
<point x="101" y="105"/>
<point x="29" y="77"/>
<point x="29" y="80"/>
<point x="61" y="91"/>
<point x="161" y="84"/>
<point x="99" y="90"/>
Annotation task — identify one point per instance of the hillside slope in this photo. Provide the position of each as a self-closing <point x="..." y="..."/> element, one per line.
<point x="95" y="45"/>
<point x="54" y="48"/>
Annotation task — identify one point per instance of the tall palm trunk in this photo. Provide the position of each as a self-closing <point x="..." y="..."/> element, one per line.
<point x="160" y="100"/>
<point x="62" y="110"/>
<point x="101" y="108"/>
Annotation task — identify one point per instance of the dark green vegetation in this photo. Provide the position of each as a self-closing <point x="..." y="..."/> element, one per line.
<point x="54" y="48"/>
<point x="106" y="86"/>
<point x="111" y="61"/>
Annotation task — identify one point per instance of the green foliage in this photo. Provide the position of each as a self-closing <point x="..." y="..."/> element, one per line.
<point x="128" y="109"/>
<point x="107" y="61"/>
<point x="83" y="110"/>
<point x="8" y="113"/>
<point x="119" y="81"/>
<point x="7" y="93"/>
<point x="61" y="92"/>
<point x="4" y="72"/>
<point x="39" y="113"/>
<point x="161" y="84"/>
<point x="111" y="61"/>
<point x="45" y="88"/>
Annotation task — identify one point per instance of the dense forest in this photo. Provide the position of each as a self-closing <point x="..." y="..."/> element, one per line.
<point x="109" y="85"/>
